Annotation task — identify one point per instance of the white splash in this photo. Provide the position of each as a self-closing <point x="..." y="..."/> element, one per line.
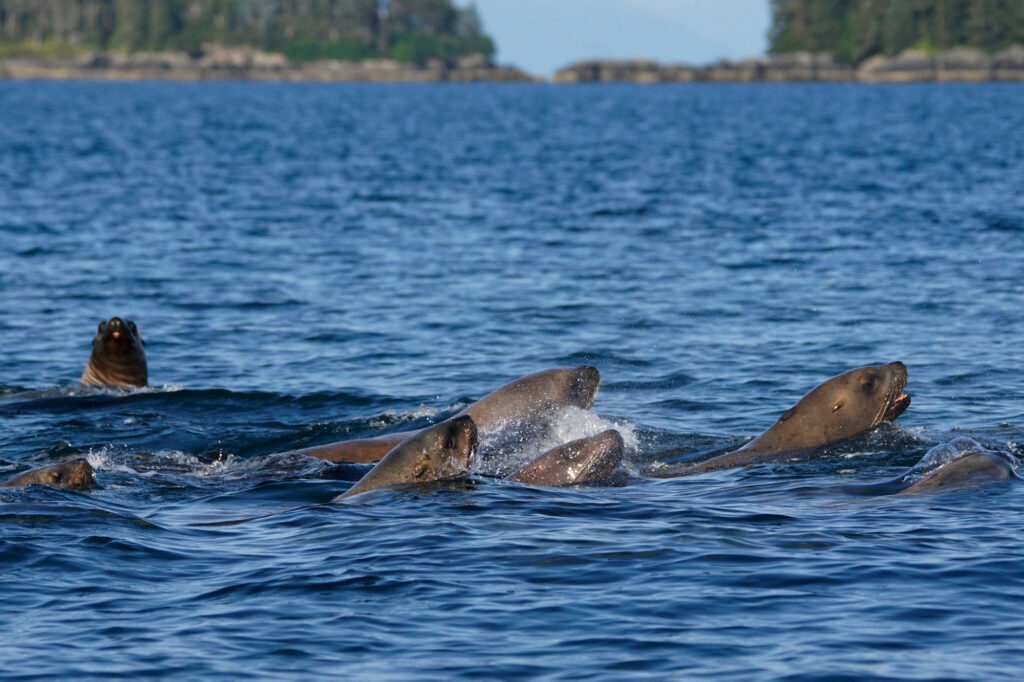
<point x="573" y="423"/>
<point x="511" y="446"/>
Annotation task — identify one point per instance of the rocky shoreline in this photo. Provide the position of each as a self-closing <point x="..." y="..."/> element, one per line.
<point x="911" y="66"/>
<point x="220" y="63"/>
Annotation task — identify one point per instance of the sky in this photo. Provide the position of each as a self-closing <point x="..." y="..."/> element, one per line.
<point x="542" y="36"/>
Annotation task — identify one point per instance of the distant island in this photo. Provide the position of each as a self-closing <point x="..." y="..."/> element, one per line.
<point x="435" y="40"/>
<point x="856" y="40"/>
<point x="393" y="40"/>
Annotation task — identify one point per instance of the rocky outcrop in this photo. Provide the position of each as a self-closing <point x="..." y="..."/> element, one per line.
<point x="1008" y="65"/>
<point x="216" y="62"/>
<point x="962" y="65"/>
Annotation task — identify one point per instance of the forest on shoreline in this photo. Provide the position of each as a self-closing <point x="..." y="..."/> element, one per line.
<point x="409" y="31"/>
<point x="855" y="30"/>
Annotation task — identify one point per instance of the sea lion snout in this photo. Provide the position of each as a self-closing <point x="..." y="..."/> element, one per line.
<point x="586" y="381"/>
<point x="116" y="327"/>
<point x="899" y="371"/>
<point x="465" y="427"/>
<point x="896" y="401"/>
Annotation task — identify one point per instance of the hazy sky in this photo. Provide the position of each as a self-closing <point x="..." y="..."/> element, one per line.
<point x="542" y="36"/>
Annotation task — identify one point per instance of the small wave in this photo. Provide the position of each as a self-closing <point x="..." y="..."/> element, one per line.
<point x="149" y="464"/>
<point x="389" y="417"/>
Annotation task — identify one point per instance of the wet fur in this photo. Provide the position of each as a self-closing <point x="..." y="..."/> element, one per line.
<point x="118" y="356"/>
<point x="842" y="407"/>
<point x="522" y="399"/>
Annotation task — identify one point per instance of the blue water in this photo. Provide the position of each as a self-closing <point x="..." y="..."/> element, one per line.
<point x="310" y="263"/>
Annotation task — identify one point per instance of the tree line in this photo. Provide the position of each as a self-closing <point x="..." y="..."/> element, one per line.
<point x="853" y="30"/>
<point x="407" y="30"/>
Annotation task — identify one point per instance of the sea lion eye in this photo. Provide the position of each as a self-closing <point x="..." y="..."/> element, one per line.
<point x="99" y="327"/>
<point x="56" y="477"/>
<point x="449" y="442"/>
<point x="869" y="384"/>
<point x="131" y="325"/>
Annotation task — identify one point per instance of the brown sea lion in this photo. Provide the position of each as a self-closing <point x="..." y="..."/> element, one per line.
<point x="971" y="465"/>
<point x="441" y="452"/>
<point x="842" y="407"/>
<point x="580" y="461"/>
<point x="522" y="399"/>
<point x="971" y="469"/>
<point x="118" y="356"/>
<point x="75" y="474"/>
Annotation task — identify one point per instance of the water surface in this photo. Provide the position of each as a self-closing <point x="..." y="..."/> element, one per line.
<point x="310" y="263"/>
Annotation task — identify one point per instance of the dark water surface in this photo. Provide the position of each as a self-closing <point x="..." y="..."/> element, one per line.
<point x="309" y="263"/>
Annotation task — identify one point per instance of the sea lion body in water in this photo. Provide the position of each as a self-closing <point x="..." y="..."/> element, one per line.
<point x="118" y="356"/>
<point x="75" y="474"/>
<point x="971" y="469"/>
<point x="444" y="451"/>
<point x="972" y="465"/>
<point x="441" y="452"/>
<point x="517" y="401"/>
<point x="842" y="407"/>
<point x="580" y="461"/>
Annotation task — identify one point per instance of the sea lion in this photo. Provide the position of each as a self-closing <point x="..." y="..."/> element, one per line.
<point x="440" y="452"/>
<point x="118" y="356"/>
<point x="75" y="474"/>
<point x="520" y="400"/>
<point x="971" y="465"/>
<point x="580" y="461"/>
<point x="842" y="407"/>
<point x="971" y="469"/>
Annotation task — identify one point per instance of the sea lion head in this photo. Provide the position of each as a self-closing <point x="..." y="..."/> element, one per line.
<point x="580" y="461"/>
<point x="586" y="379"/>
<point x="441" y="452"/>
<point x="75" y="474"/>
<point x="603" y="457"/>
<point x="118" y="355"/>
<point x="444" y="451"/>
<point x="848" y="405"/>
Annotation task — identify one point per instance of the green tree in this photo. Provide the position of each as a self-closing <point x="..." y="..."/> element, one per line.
<point x="853" y="30"/>
<point x="304" y="29"/>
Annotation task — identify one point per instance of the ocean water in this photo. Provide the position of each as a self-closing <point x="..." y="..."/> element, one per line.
<point x="309" y="263"/>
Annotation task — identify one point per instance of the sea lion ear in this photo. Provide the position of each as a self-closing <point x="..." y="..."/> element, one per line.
<point x="787" y="414"/>
<point x="837" y="406"/>
<point x="421" y="467"/>
<point x="131" y="325"/>
<point x="99" y="327"/>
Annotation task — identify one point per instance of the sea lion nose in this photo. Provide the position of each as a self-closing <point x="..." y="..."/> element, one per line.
<point x="899" y="367"/>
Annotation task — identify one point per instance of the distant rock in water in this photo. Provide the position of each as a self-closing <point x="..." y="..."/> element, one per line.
<point x="216" y="62"/>
<point x="960" y="65"/>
